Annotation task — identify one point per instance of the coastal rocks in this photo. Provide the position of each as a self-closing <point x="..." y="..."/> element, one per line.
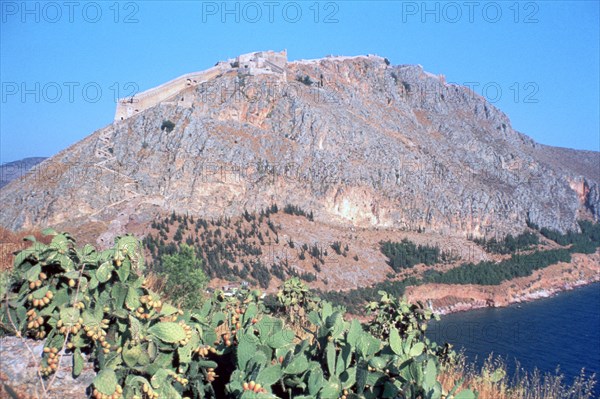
<point x="444" y="299"/>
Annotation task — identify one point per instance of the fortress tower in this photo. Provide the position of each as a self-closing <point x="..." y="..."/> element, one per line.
<point x="262" y="62"/>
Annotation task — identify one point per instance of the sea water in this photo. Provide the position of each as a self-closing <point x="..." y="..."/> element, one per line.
<point x="560" y="331"/>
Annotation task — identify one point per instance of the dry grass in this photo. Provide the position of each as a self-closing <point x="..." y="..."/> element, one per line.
<point x="522" y="385"/>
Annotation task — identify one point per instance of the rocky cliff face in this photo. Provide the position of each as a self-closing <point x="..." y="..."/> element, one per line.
<point x="357" y="140"/>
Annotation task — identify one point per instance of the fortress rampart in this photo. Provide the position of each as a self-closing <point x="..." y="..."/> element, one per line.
<point x="250" y="64"/>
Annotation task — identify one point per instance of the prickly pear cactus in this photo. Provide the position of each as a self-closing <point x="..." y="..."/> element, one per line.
<point x="95" y="302"/>
<point x="85" y="301"/>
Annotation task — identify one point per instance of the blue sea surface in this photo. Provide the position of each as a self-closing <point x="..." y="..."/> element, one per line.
<point x="563" y="330"/>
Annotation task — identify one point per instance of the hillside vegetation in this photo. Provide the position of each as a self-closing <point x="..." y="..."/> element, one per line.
<point x="97" y="303"/>
<point x="519" y="264"/>
<point x="234" y="249"/>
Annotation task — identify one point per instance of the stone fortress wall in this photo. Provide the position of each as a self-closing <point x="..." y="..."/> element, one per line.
<point x="263" y="62"/>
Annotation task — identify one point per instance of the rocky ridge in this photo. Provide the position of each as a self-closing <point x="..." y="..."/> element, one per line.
<point x="13" y="170"/>
<point x="359" y="141"/>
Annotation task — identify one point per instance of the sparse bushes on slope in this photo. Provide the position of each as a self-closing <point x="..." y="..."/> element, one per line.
<point x="520" y="265"/>
<point x="232" y="249"/>
<point x="305" y="80"/>
<point x="296" y="210"/>
<point x="482" y="273"/>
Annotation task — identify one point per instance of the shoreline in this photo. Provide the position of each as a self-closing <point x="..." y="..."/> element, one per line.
<point x="526" y="298"/>
<point x="453" y="298"/>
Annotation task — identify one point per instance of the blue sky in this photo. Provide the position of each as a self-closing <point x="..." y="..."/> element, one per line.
<point x="63" y="63"/>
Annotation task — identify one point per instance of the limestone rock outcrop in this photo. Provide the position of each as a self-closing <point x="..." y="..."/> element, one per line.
<point x="357" y="140"/>
<point x="18" y="372"/>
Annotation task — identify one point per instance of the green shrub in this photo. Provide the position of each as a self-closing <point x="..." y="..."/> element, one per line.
<point x="337" y="247"/>
<point x="354" y="300"/>
<point x="297" y="211"/>
<point x="306" y="80"/>
<point x="95" y="302"/>
<point x="185" y="281"/>
<point x="167" y="125"/>
<point x="6" y="280"/>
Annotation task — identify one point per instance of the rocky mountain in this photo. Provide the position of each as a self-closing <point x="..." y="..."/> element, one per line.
<point x="13" y="170"/>
<point x="359" y="141"/>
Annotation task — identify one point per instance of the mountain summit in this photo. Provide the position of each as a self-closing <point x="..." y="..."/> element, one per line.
<point x="357" y="140"/>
